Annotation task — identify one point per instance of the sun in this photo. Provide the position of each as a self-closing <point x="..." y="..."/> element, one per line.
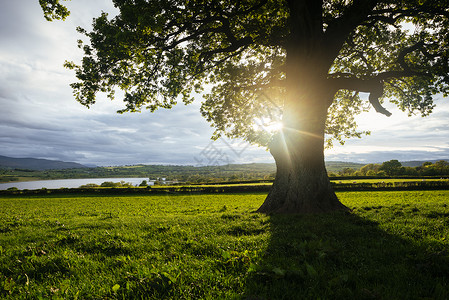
<point x="267" y="125"/>
<point x="274" y="127"/>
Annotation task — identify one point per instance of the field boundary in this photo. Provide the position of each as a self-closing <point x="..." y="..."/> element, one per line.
<point x="364" y="186"/>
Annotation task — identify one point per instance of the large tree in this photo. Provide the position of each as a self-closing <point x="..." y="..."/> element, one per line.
<point x="264" y="61"/>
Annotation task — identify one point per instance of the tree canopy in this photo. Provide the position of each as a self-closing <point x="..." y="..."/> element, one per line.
<point x="158" y="52"/>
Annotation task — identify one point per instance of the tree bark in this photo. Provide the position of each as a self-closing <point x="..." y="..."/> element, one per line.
<point x="301" y="184"/>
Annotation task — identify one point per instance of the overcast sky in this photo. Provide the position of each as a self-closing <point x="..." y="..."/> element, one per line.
<point x="40" y="118"/>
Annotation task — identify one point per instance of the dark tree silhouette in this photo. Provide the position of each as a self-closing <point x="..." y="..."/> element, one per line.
<point x="301" y="62"/>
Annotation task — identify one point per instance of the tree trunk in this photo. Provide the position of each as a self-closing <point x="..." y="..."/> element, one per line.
<point x="301" y="184"/>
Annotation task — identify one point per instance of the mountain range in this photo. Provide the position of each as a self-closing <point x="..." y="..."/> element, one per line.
<point x="36" y="164"/>
<point x="45" y="164"/>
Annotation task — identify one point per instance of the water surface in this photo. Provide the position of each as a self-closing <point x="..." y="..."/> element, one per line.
<point x="67" y="183"/>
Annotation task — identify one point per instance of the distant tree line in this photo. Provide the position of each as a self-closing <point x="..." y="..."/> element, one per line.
<point x="221" y="174"/>
<point x="109" y="184"/>
<point x="395" y="168"/>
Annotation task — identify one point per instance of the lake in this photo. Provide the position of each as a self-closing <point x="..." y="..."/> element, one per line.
<point x="67" y="183"/>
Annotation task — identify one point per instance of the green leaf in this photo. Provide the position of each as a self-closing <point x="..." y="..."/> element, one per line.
<point x="115" y="288"/>
<point x="225" y="254"/>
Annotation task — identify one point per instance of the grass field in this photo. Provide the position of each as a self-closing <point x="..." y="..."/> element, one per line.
<point x="392" y="246"/>
<point x="386" y="180"/>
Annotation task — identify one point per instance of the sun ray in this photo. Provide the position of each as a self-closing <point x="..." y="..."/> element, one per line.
<point x="302" y="132"/>
<point x="267" y="125"/>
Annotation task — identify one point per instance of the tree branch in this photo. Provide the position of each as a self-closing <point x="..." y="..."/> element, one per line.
<point x="200" y="68"/>
<point x="244" y="42"/>
<point x="396" y="13"/>
<point x="339" y="30"/>
<point x="373" y="86"/>
<point x="272" y="83"/>
<point x="405" y="51"/>
<point x="220" y="16"/>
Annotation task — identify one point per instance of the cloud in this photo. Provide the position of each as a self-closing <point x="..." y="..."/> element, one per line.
<point x="399" y="137"/>
<point x="40" y="118"/>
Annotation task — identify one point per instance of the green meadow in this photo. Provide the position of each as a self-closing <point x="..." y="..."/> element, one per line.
<point x="393" y="245"/>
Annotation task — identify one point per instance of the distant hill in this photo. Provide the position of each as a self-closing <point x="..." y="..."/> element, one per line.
<point x="337" y="166"/>
<point x="36" y="164"/>
<point x="418" y="163"/>
<point x="266" y="168"/>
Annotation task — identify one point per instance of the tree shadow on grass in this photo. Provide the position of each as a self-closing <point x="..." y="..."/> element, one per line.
<point x="344" y="256"/>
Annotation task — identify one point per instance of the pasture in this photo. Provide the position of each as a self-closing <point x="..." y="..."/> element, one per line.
<point x="392" y="246"/>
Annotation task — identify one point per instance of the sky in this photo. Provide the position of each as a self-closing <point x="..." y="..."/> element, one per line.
<point x="40" y="118"/>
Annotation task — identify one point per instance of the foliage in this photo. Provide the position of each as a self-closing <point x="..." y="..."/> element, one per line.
<point x="392" y="167"/>
<point x="116" y="184"/>
<point x="54" y="10"/>
<point x="89" y="185"/>
<point x="159" y="52"/>
<point x="393" y="245"/>
<point x="395" y="168"/>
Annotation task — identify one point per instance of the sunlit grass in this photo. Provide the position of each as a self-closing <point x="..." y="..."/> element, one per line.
<point x="392" y="246"/>
<point x="386" y="180"/>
